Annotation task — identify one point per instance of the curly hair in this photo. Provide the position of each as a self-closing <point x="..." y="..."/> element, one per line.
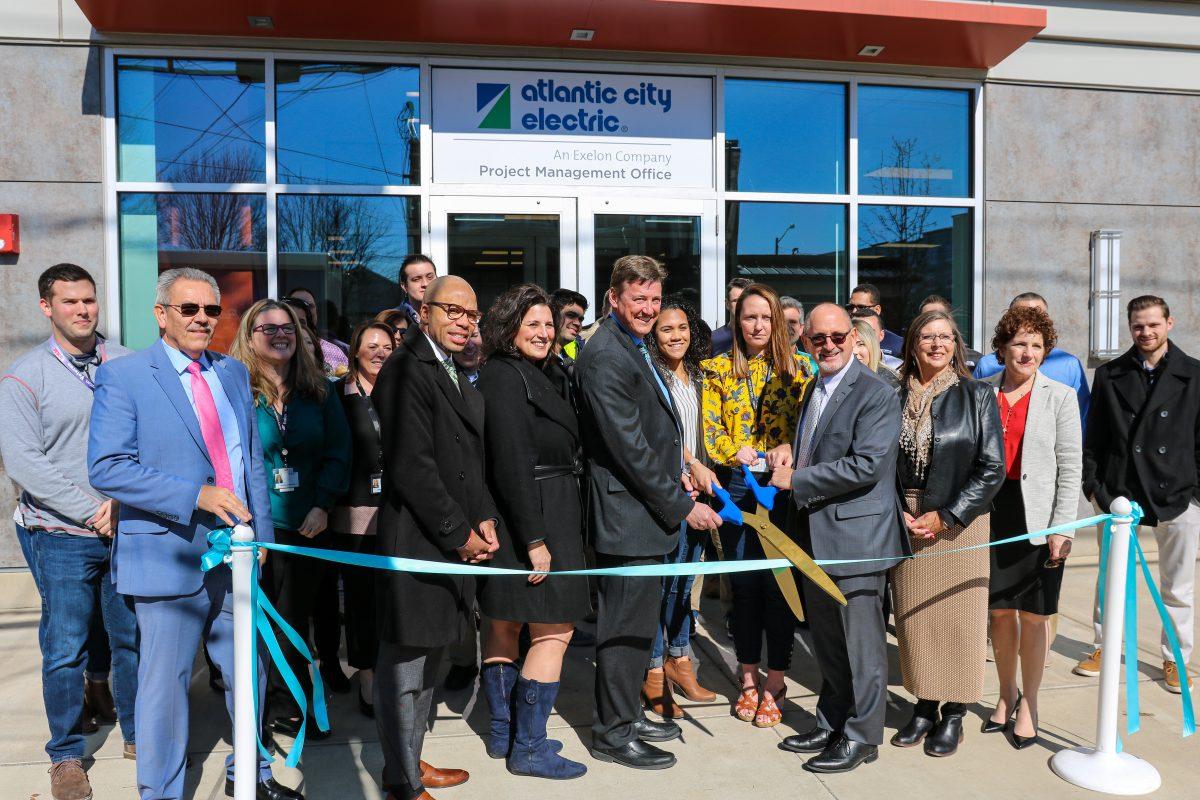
<point x="699" y="337"/>
<point x="1027" y="319"/>
<point x="503" y="319"/>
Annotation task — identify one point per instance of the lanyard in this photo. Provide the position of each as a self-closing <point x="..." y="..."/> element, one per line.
<point x="374" y="415"/>
<point x="66" y="362"/>
<point x="281" y="423"/>
<point x="757" y="402"/>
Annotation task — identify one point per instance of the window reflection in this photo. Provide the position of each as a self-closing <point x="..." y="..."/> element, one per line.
<point x="799" y="249"/>
<point x="911" y="252"/>
<point x="346" y="251"/>
<point x="673" y="240"/>
<point x="347" y="123"/>
<point x="190" y="120"/>
<point x="785" y="136"/>
<point x="496" y="251"/>
<point x="914" y="142"/>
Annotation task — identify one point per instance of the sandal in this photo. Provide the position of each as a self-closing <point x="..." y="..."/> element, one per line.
<point x="768" y="714"/>
<point x="747" y="704"/>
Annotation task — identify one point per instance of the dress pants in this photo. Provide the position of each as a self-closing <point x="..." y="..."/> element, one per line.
<point x="851" y="648"/>
<point x="172" y="629"/>
<point x="1177" y="544"/>
<point x="627" y="617"/>
<point x="404" y="683"/>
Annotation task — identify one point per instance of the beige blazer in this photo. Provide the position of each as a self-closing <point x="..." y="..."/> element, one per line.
<point x="1051" y="455"/>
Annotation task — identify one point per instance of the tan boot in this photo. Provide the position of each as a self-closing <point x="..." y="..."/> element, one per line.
<point x="682" y="673"/>
<point x="656" y="693"/>
<point x="68" y="781"/>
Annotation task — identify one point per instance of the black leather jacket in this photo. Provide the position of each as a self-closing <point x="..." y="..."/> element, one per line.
<point x="966" y="462"/>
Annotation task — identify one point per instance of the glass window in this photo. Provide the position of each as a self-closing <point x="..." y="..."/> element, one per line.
<point x="347" y="123"/>
<point x="673" y="240"/>
<point x="914" y="142"/>
<point x="182" y="120"/>
<point x="785" y="136"/>
<point x="911" y="252"/>
<point x="346" y="251"/>
<point x="798" y="249"/>
<point x="223" y="234"/>
<point x="496" y="251"/>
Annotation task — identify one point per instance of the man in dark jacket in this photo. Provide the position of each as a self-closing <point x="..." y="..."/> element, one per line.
<point x="1143" y="442"/>
<point x="722" y="337"/>
<point x="638" y="503"/>
<point x="437" y="508"/>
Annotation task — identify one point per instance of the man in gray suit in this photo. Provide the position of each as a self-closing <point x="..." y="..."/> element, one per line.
<point x="844" y="487"/>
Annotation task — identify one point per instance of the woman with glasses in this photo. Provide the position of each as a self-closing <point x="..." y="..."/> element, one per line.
<point x="951" y="465"/>
<point x="752" y="399"/>
<point x="306" y="455"/>
<point x="352" y="522"/>
<point x="1043" y="459"/>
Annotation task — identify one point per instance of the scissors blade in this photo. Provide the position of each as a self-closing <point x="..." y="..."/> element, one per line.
<point x="768" y="531"/>
<point x="783" y="577"/>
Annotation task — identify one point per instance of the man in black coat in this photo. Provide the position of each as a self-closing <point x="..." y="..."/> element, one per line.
<point x="437" y="508"/>
<point x="638" y="502"/>
<point x="1143" y="442"/>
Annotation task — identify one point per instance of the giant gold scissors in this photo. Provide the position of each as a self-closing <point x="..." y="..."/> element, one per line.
<point x="775" y="543"/>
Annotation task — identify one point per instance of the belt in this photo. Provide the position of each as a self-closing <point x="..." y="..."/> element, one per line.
<point x="545" y="472"/>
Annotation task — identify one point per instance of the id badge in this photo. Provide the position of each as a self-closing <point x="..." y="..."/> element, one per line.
<point x="760" y="467"/>
<point x="377" y="483"/>
<point x="286" y="479"/>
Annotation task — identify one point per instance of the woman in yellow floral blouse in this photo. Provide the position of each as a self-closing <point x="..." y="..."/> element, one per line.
<point x="751" y="404"/>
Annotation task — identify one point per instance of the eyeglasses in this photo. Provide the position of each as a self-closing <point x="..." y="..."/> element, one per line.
<point x="192" y="309"/>
<point x="940" y="338"/>
<point x="819" y="339"/>
<point x="457" y="312"/>
<point x="271" y="330"/>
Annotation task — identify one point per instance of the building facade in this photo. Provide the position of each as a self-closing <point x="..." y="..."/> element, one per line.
<point x="973" y="156"/>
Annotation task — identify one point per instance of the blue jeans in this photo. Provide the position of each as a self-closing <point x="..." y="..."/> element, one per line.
<point x="675" y="613"/>
<point x="73" y="576"/>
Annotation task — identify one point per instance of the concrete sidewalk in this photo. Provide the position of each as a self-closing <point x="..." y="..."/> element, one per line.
<point x="720" y="756"/>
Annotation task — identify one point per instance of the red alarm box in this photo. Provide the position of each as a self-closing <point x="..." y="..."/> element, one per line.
<point x="10" y="233"/>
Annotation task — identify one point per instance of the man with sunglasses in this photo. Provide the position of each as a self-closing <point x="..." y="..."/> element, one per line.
<point x="436" y="507"/>
<point x="174" y="440"/>
<point x="864" y="296"/>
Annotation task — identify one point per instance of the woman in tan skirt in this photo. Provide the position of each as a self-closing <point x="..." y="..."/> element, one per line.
<point x="951" y="466"/>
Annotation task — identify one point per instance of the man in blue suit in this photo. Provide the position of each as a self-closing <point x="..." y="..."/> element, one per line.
<point x="173" y="440"/>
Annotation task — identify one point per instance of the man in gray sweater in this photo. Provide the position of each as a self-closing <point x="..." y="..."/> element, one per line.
<point x="66" y="528"/>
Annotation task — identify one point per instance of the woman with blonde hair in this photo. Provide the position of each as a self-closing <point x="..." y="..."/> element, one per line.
<point x="866" y="350"/>
<point x="306" y="455"/>
<point x="752" y="399"/>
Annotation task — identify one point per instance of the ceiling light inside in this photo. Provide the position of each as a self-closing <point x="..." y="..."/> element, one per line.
<point x="582" y="35"/>
<point x="871" y="50"/>
<point x="264" y="23"/>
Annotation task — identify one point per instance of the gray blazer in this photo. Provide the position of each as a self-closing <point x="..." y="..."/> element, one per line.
<point x="1051" y="455"/>
<point x="849" y="488"/>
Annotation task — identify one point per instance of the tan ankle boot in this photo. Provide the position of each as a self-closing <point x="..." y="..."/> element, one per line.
<point x="657" y="695"/>
<point x="682" y="673"/>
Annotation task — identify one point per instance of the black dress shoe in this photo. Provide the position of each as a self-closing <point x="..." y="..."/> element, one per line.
<point x="911" y="734"/>
<point x="995" y="727"/>
<point x="268" y="790"/>
<point x="813" y="741"/>
<point x="367" y="709"/>
<point x="460" y="677"/>
<point x="290" y="726"/>
<point x="946" y="737"/>
<point x="650" y="731"/>
<point x="335" y="679"/>
<point x="636" y="754"/>
<point x="842" y="755"/>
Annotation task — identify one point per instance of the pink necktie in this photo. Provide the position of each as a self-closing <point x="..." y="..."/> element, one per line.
<point x="210" y="427"/>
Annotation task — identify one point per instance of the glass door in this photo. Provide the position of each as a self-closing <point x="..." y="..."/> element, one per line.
<point x="679" y="233"/>
<point x="497" y="242"/>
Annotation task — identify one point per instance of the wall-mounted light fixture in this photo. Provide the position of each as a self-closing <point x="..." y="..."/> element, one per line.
<point x="262" y="23"/>
<point x="871" y="50"/>
<point x="1105" y="300"/>
<point x="582" y="35"/>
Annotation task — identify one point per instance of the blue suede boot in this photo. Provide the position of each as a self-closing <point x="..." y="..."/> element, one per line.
<point x="531" y="752"/>
<point x="497" y="681"/>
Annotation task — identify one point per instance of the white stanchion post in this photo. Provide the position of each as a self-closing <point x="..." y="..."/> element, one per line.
<point x="1102" y="768"/>
<point x="245" y="747"/>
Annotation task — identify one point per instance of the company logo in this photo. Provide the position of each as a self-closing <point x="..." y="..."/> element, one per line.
<point x="493" y="101"/>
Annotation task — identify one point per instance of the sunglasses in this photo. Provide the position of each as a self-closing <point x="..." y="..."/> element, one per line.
<point x="270" y="330"/>
<point x="819" y="339"/>
<point x="192" y="309"/>
<point x="456" y="312"/>
<point x="852" y="307"/>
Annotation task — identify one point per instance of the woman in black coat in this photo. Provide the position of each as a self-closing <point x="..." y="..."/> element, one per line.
<point x="533" y="468"/>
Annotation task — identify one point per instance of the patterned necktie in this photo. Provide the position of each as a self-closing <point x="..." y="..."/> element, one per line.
<point x="210" y="427"/>
<point x="811" y="417"/>
<point x="450" y="369"/>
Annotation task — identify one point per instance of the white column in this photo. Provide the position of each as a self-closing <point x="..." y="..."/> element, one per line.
<point x="245" y="747"/>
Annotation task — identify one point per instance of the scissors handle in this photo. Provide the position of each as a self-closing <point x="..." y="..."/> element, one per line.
<point x="729" y="510"/>
<point x="765" y="495"/>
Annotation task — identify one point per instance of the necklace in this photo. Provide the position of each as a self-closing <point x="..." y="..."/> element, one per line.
<point x="1010" y="403"/>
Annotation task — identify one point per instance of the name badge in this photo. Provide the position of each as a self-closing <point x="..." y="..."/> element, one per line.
<point x="760" y="467"/>
<point x="377" y="483"/>
<point x="286" y="479"/>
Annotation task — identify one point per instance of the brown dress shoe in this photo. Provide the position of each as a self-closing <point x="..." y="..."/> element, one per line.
<point x="434" y="778"/>
<point x="130" y="751"/>
<point x="656" y="693"/>
<point x="68" y="781"/>
<point x="98" y="702"/>
<point x="682" y="673"/>
<point x="89" y="722"/>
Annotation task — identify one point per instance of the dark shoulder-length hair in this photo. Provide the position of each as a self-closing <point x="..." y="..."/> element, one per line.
<point x="699" y="337"/>
<point x="958" y="361"/>
<point x="503" y="319"/>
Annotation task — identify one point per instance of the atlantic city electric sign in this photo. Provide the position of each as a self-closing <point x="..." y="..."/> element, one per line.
<point x="586" y="106"/>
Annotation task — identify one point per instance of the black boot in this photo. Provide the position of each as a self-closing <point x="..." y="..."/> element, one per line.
<point x="948" y="734"/>
<point x="923" y="720"/>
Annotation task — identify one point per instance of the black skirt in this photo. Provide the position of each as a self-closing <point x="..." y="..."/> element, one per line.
<point x="1019" y="578"/>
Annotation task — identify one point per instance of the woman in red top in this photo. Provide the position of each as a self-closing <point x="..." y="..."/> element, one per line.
<point x="1043" y="466"/>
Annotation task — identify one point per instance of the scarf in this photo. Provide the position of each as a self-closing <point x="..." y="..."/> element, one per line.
<point x="916" y="429"/>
